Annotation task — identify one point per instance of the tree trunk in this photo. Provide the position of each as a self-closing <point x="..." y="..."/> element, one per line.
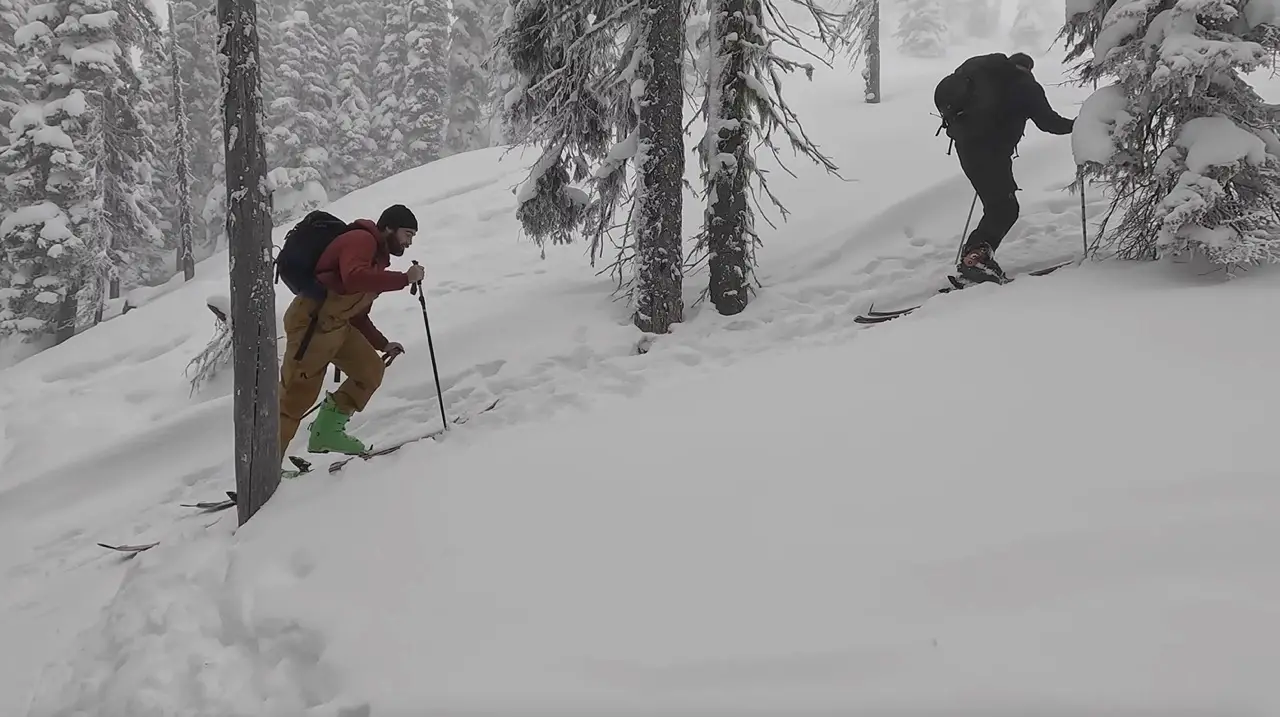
<point x="730" y="221"/>
<point x="873" y="55"/>
<point x="68" y="311"/>
<point x="253" y="311"/>
<point x="659" y="249"/>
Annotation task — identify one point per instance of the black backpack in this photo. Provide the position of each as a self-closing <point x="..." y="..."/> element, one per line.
<point x="972" y="91"/>
<point x="303" y="245"/>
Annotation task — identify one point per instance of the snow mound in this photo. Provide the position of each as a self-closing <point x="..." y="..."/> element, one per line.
<point x="700" y="577"/>
<point x="1213" y="142"/>
<point x="1092" y="138"/>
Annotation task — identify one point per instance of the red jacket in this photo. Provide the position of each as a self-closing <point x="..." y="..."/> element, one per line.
<point x="356" y="263"/>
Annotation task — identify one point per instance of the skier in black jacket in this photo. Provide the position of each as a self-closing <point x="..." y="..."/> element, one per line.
<point x="986" y="127"/>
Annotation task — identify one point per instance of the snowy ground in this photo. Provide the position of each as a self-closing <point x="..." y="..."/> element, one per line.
<point x="1056" y="496"/>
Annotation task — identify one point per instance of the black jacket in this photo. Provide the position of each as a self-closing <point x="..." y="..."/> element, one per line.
<point x="1006" y="96"/>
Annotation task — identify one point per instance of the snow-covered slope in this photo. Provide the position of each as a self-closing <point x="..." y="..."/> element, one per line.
<point x="1047" y="496"/>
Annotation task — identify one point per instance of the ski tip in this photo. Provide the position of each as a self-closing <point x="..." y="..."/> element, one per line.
<point x="129" y="548"/>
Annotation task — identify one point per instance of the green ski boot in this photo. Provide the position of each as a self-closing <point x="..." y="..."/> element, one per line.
<point x="329" y="434"/>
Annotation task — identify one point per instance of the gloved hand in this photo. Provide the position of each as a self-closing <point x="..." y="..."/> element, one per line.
<point x="416" y="273"/>
<point x="393" y="350"/>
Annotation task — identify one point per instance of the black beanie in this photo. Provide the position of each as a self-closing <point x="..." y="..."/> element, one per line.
<point x="1023" y="60"/>
<point x="398" y="216"/>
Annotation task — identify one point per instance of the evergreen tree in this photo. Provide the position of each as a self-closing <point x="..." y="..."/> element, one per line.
<point x="195" y="32"/>
<point x="366" y="18"/>
<point x="51" y="255"/>
<point x="859" y="32"/>
<point x="389" y="83"/>
<point x="501" y="78"/>
<point x="424" y="103"/>
<point x="181" y="165"/>
<point x="126" y="159"/>
<point x="469" y="88"/>
<point x="354" y="153"/>
<point x="922" y="30"/>
<point x="587" y="74"/>
<point x="155" y="106"/>
<point x="11" y="13"/>
<point x="1184" y="143"/>
<point x="741" y="104"/>
<point x="271" y="14"/>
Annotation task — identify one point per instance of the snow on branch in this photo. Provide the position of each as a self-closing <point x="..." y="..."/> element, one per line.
<point x="574" y="66"/>
<point x="1185" y="143"/>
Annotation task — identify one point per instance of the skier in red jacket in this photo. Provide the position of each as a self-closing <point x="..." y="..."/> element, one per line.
<point x="355" y="270"/>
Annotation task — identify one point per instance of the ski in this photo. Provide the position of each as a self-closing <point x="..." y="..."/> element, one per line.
<point x="130" y="548"/>
<point x="335" y="467"/>
<point x="302" y="466"/>
<point x="214" y="506"/>
<point x="879" y="317"/>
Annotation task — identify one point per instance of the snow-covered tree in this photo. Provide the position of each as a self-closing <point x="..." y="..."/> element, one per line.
<point x="301" y="117"/>
<point x="155" y="106"/>
<point x="389" y="83"/>
<point x="1184" y="142"/>
<point x="859" y="31"/>
<point x="366" y="18"/>
<point x="353" y="152"/>
<point x="501" y="78"/>
<point x="195" y="30"/>
<point x="271" y="14"/>
<point x="1032" y="25"/>
<point x="11" y="14"/>
<point x="51" y="255"/>
<point x="468" y="86"/>
<point x="744" y="103"/>
<point x="424" y="104"/>
<point x="922" y="30"/>
<point x="122" y="163"/>
<point x="126" y="159"/>
<point x="598" y="86"/>
<point x="181" y="164"/>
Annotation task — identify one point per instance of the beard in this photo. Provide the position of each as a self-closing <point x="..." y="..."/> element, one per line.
<point x="395" y="247"/>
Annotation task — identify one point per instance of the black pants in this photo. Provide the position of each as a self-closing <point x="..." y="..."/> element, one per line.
<point x="990" y="171"/>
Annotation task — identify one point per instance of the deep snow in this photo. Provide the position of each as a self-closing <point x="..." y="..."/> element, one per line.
<point x="1047" y="497"/>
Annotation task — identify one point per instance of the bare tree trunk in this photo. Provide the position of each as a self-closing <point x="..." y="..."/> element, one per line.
<point x="872" y="71"/>
<point x="68" y="312"/>
<point x="659" y="249"/>
<point x="253" y="310"/>
<point x="186" y="255"/>
<point x="729" y="230"/>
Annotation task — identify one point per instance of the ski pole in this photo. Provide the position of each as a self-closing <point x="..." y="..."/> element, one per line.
<point x="422" y="301"/>
<point x="965" y="234"/>
<point x="1084" y="224"/>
